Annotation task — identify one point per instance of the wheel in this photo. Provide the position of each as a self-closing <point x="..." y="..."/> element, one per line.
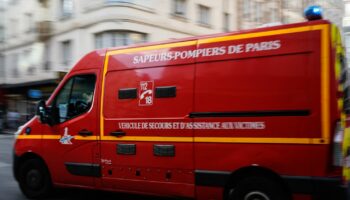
<point x="257" y="188"/>
<point x="34" y="179"/>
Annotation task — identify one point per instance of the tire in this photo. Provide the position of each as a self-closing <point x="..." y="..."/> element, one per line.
<point x="34" y="179"/>
<point x="257" y="188"/>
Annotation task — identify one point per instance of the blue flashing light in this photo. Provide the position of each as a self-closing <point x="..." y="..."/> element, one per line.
<point x="34" y="94"/>
<point x="313" y="13"/>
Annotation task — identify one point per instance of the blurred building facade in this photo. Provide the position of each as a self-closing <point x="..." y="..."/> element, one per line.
<point x="346" y="29"/>
<point x="24" y="56"/>
<point x="43" y="38"/>
<point x="81" y="26"/>
<point x="40" y="39"/>
<point x="256" y="13"/>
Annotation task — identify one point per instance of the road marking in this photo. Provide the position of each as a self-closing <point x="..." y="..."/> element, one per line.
<point x="2" y="164"/>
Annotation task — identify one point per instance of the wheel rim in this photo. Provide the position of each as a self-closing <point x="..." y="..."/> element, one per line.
<point x="256" y="195"/>
<point x="34" y="179"/>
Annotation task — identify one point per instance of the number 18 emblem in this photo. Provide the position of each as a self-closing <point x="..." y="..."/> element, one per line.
<point x="146" y="93"/>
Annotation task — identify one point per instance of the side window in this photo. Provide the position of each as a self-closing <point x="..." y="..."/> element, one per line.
<point x="61" y="101"/>
<point x="75" y="97"/>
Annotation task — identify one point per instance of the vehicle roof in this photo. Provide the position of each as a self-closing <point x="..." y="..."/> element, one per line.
<point x="95" y="59"/>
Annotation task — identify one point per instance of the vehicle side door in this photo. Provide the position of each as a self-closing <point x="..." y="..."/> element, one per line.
<point x="71" y="143"/>
<point x="145" y="146"/>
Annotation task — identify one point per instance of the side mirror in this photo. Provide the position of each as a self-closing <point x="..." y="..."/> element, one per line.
<point x="41" y="112"/>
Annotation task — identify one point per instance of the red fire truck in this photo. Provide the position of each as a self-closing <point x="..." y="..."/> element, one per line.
<point x="244" y="115"/>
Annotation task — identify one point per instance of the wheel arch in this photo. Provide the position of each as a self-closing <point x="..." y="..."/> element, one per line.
<point x="19" y="160"/>
<point x="251" y="171"/>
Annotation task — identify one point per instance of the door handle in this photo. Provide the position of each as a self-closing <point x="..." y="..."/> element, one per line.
<point x="118" y="133"/>
<point x="85" y="132"/>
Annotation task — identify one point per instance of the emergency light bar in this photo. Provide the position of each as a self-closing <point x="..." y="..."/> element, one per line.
<point x="313" y="13"/>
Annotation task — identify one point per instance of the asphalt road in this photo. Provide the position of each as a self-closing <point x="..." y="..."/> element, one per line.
<point x="9" y="189"/>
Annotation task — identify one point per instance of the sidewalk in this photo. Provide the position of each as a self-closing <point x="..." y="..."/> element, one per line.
<point x="7" y="132"/>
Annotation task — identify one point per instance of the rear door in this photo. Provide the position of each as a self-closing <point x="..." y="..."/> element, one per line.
<point x="259" y="103"/>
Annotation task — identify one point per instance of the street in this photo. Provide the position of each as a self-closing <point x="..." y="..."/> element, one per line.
<point x="9" y="189"/>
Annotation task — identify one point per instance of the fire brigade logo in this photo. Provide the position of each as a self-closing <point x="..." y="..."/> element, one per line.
<point x="66" y="138"/>
<point x="146" y="93"/>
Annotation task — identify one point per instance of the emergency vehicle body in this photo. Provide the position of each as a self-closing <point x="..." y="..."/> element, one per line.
<point x="204" y="117"/>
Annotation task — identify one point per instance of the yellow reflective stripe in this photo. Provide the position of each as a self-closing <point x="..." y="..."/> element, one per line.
<point x="340" y="103"/>
<point x="337" y="45"/>
<point x="48" y="137"/>
<point x="29" y="136"/>
<point x="189" y="139"/>
<point x="253" y="140"/>
<point x="325" y="81"/>
<point x="148" y="139"/>
<point x="56" y="137"/>
<point x="102" y="94"/>
<point x="258" y="34"/>
<point x="79" y="137"/>
<point x="341" y="87"/>
<point x="52" y="137"/>
<point x="346" y="144"/>
<point x="154" y="47"/>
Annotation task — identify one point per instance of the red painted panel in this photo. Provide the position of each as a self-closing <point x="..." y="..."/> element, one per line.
<point x="290" y="43"/>
<point x="302" y="197"/>
<point x="176" y="107"/>
<point x="262" y="84"/>
<point x="92" y="60"/>
<point x="306" y="160"/>
<point x="256" y="84"/>
<point x="209" y="193"/>
<point x="158" y="188"/>
<point x="145" y="158"/>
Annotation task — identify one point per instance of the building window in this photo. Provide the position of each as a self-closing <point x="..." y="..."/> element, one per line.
<point x="246" y="8"/>
<point x="286" y="4"/>
<point x="2" y="34"/>
<point x="204" y="15"/>
<point x="14" y="65"/>
<point x="274" y="12"/>
<point x="226" y="22"/>
<point x="13" y="2"/>
<point x="2" y="66"/>
<point x="66" y="8"/>
<point x="292" y="5"/>
<point x="13" y="27"/>
<point x="179" y="7"/>
<point x="118" y="38"/>
<point x="287" y="20"/>
<point x="119" y="1"/>
<point x="66" y="53"/>
<point x="30" y="23"/>
<point x="27" y="59"/>
<point x="258" y="12"/>
<point x="46" y="65"/>
<point x="347" y="46"/>
<point x="273" y="15"/>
